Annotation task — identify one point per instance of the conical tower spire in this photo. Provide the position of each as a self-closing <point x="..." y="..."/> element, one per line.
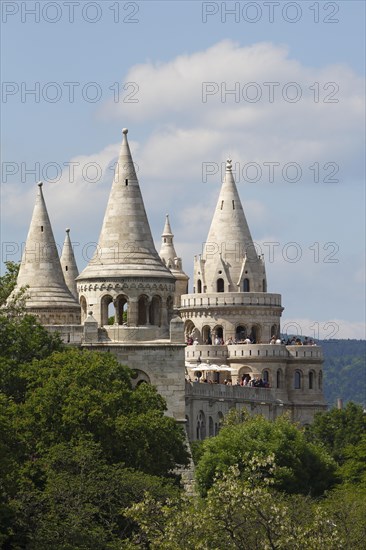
<point x="40" y="268"/>
<point x="229" y="253"/>
<point x="125" y="246"/>
<point x="68" y="265"/>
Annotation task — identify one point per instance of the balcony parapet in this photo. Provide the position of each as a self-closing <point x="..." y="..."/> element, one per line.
<point x="237" y="352"/>
<point x="230" y="299"/>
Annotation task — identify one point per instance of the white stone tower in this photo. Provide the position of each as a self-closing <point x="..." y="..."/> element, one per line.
<point x="68" y="265"/>
<point x="40" y="269"/>
<point x="230" y="299"/>
<point x="173" y="263"/>
<point x="126" y="279"/>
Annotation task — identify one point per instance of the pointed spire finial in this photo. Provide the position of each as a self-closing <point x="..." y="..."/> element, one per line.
<point x="229" y="163"/>
<point x="125" y="131"/>
<point x="67" y="230"/>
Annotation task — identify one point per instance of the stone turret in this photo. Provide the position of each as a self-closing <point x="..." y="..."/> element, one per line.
<point x="171" y="260"/>
<point x="40" y="269"/>
<point x="229" y="262"/>
<point x="230" y="299"/>
<point x="68" y="265"/>
<point x="126" y="283"/>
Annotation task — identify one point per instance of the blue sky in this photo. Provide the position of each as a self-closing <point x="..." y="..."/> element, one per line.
<point x="293" y="125"/>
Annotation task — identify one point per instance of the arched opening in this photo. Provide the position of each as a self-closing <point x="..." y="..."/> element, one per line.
<point x="264" y="286"/>
<point x="240" y="333"/>
<point x="189" y="330"/>
<point x="265" y="377"/>
<point x="83" y="306"/>
<point x="218" y="424"/>
<point x="106" y="309"/>
<point x="139" y="377"/>
<point x="255" y="335"/>
<point x="220" y="286"/>
<point x="279" y="379"/>
<point x="297" y="380"/>
<point x="210" y="427"/>
<point x="155" y="311"/>
<point x="121" y="306"/>
<point x="246" y="285"/>
<point x="143" y="305"/>
<point x="199" y="286"/>
<point x="206" y="335"/>
<point x="201" y="425"/>
<point x="311" y="380"/>
<point x="219" y="335"/>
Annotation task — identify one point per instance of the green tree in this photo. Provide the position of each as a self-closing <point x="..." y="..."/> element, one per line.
<point x="337" y="429"/>
<point x="302" y="467"/>
<point x="12" y="302"/>
<point x="238" y="513"/>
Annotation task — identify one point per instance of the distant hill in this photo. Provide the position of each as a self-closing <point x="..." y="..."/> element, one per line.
<point x="344" y="370"/>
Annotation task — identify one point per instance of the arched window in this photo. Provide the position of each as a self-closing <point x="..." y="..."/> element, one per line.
<point x="206" y="335"/>
<point x="311" y="380"/>
<point x="199" y="286"/>
<point x="246" y="285"/>
<point x="254" y="335"/>
<point x="106" y="309"/>
<point x="320" y="380"/>
<point x="218" y="424"/>
<point x="155" y="311"/>
<point x="143" y="305"/>
<point x="240" y="333"/>
<point x="83" y="308"/>
<point x="121" y="304"/>
<point x="219" y="335"/>
<point x="220" y="286"/>
<point x="265" y="376"/>
<point x="279" y="378"/>
<point x="210" y="427"/>
<point x="297" y="380"/>
<point x="201" y="425"/>
<point x="264" y="286"/>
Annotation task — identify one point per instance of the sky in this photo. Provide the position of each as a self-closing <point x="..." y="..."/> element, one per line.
<point x="278" y="87"/>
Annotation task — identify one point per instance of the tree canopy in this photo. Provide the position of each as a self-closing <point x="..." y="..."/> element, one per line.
<point x="302" y="467"/>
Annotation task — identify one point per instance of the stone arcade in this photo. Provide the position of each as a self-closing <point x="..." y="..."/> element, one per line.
<point x="133" y="302"/>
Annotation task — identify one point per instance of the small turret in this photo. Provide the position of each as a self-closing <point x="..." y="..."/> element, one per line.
<point x="40" y="270"/>
<point x="171" y="260"/>
<point x="68" y="265"/>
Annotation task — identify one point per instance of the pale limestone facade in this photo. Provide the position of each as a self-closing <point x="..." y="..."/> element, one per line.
<point x="134" y="303"/>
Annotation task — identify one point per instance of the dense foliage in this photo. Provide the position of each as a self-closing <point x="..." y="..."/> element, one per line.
<point x="302" y="467"/>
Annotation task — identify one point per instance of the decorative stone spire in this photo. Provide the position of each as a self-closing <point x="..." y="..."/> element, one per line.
<point x="125" y="246"/>
<point x="170" y="259"/>
<point x="229" y="244"/>
<point x="167" y="251"/>
<point x="40" y="269"/>
<point x="68" y="265"/>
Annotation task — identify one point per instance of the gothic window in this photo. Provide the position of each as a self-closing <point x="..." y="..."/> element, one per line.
<point x="311" y="380"/>
<point x="199" y="286"/>
<point x="265" y="376"/>
<point x="220" y="286"/>
<point x="297" y="380"/>
<point x="246" y="285"/>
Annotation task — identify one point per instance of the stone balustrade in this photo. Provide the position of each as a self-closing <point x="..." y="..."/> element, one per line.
<point x="217" y="354"/>
<point x="237" y="393"/>
<point x="230" y="299"/>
